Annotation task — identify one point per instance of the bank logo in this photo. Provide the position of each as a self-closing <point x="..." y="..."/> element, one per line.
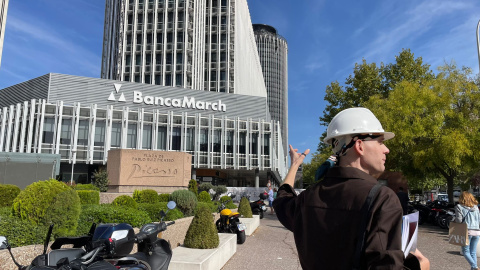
<point x="112" y="94"/>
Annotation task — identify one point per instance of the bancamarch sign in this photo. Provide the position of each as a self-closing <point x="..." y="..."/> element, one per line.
<point x="186" y="102"/>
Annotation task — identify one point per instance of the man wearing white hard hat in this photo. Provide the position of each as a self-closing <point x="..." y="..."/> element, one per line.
<point x="347" y="220"/>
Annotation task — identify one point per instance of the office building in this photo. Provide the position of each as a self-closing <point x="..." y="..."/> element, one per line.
<point x="272" y="51"/>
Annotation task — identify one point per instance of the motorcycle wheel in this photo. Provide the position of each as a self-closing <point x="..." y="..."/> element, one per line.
<point x="261" y="214"/>
<point x="241" y="237"/>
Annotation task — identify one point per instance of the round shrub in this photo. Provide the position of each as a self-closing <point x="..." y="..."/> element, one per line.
<point x="202" y="233"/>
<point x="89" y="196"/>
<point x="146" y="196"/>
<point x="7" y="194"/>
<point x="205" y="187"/>
<point x="204" y="197"/>
<point x="192" y="186"/>
<point x="211" y="205"/>
<point x="22" y="232"/>
<point x="186" y="201"/>
<point x="153" y="211"/>
<point x="86" y="187"/>
<point x="125" y="200"/>
<point x="229" y="204"/>
<point x="164" y="197"/>
<point x="107" y="213"/>
<point x="49" y="202"/>
<point x="244" y="208"/>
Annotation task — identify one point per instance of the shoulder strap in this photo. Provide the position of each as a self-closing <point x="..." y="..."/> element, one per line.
<point x="465" y="216"/>
<point x="363" y="225"/>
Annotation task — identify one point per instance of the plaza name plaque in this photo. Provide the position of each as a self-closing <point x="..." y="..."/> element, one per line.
<point x="141" y="169"/>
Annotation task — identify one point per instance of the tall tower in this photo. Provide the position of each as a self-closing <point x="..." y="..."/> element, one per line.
<point x="198" y="44"/>
<point x="272" y="51"/>
<point x="3" y="22"/>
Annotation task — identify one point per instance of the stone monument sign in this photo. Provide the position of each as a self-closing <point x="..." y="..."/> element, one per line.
<point x="145" y="169"/>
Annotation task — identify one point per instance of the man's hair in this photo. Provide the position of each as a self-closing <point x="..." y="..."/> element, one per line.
<point x="400" y="188"/>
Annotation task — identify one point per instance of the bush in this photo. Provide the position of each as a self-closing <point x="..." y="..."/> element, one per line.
<point x="202" y="233"/>
<point x="22" y="232"/>
<point x="49" y="202"/>
<point x="213" y="206"/>
<point x="153" y="211"/>
<point x="229" y="204"/>
<point x="218" y="190"/>
<point x="205" y="187"/>
<point x="107" y="213"/>
<point x="101" y="180"/>
<point x="5" y="211"/>
<point x="7" y="194"/>
<point x="244" y="208"/>
<point x="204" y="197"/>
<point x="192" y="186"/>
<point x="86" y="187"/>
<point x="164" y="197"/>
<point x="186" y="201"/>
<point x="89" y="196"/>
<point x="146" y="196"/>
<point x="125" y="200"/>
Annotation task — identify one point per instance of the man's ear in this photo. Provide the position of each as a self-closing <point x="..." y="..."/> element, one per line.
<point x="359" y="147"/>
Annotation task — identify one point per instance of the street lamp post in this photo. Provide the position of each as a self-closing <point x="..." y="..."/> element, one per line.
<point x="73" y="161"/>
<point x="478" y="45"/>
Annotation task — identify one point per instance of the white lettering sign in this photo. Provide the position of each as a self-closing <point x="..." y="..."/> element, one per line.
<point x="186" y="102"/>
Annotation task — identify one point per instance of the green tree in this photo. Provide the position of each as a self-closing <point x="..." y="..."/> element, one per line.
<point x="436" y="122"/>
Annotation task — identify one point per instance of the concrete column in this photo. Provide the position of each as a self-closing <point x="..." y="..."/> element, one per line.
<point x="194" y="173"/>
<point x="257" y="178"/>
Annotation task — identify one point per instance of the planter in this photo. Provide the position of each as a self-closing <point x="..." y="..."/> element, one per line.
<point x="251" y="223"/>
<point x="196" y="259"/>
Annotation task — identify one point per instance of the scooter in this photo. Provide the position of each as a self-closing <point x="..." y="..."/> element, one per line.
<point x="229" y="222"/>
<point x="259" y="206"/>
<point x="106" y="247"/>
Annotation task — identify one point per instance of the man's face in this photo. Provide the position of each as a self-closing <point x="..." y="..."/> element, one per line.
<point x="374" y="156"/>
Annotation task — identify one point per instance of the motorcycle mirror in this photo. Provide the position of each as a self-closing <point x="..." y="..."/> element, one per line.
<point x="171" y="205"/>
<point x="3" y="242"/>
<point x="229" y="194"/>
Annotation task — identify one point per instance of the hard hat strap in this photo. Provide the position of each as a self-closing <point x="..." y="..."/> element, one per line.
<point x="362" y="137"/>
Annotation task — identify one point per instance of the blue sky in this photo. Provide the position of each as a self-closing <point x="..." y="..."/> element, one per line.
<point x="325" y="39"/>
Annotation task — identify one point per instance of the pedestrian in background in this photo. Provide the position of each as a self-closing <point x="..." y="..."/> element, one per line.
<point x="467" y="211"/>
<point x="270" y="199"/>
<point x="274" y="193"/>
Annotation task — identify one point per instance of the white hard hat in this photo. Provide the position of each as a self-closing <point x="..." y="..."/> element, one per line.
<point x="354" y="121"/>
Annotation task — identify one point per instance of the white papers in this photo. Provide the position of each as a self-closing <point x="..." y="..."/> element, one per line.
<point x="409" y="233"/>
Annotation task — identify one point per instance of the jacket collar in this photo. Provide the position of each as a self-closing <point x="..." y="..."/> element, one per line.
<point x="348" y="173"/>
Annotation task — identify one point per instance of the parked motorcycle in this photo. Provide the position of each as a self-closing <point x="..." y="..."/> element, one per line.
<point x="229" y="222"/>
<point x="259" y="206"/>
<point x="107" y="246"/>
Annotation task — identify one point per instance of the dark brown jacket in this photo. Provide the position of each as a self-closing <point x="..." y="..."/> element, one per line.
<point x="324" y="220"/>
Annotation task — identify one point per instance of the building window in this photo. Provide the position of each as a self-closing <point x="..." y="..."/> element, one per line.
<point x="169" y="59"/>
<point x="158" y="59"/>
<point x="204" y="140"/>
<point x="162" y="138"/>
<point x="132" y="136"/>
<point x="168" y="80"/>
<point x="82" y="132"/>
<point x="217" y="140"/>
<point x="147" y="137"/>
<point x="116" y="135"/>
<point x="242" y="142"/>
<point x="190" y="139"/>
<point x="254" y="140"/>
<point x="137" y="78"/>
<point x="229" y="142"/>
<point x="266" y="144"/>
<point x="158" y="79"/>
<point x="179" y="58"/>
<point x="176" y="138"/>
<point x="178" y="79"/>
<point x="65" y="135"/>
<point x="48" y="130"/>
<point x="99" y="133"/>
<point x="147" y="78"/>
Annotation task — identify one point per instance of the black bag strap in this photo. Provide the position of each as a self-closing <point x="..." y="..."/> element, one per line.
<point x="465" y="216"/>
<point x="366" y="209"/>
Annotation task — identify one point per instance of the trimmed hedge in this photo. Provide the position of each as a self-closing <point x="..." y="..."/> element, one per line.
<point x="125" y="200"/>
<point x="49" y="202"/>
<point x="21" y="232"/>
<point x="89" y="196"/>
<point x="202" y="233"/>
<point x="86" y="187"/>
<point x="186" y="201"/>
<point x="193" y="186"/>
<point x="153" y="211"/>
<point x="7" y="194"/>
<point x="146" y="196"/>
<point x="204" y="197"/>
<point x="244" y="208"/>
<point x="164" y="197"/>
<point x="106" y="213"/>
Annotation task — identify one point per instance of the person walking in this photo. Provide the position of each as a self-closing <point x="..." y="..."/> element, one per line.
<point x="331" y="217"/>
<point x="467" y="211"/>
<point x="270" y="199"/>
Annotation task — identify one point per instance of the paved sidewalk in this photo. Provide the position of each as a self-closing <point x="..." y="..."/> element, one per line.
<point x="272" y="247"/>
